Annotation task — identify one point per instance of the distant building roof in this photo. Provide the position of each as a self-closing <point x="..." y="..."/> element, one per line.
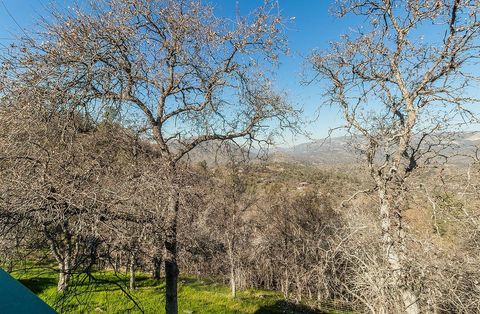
<point x="15" y="298"/>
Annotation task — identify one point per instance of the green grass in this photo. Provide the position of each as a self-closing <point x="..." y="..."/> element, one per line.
<point x="105" y="295"/>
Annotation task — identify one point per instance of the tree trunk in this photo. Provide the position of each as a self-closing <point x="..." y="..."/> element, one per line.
<point x="63" y="275"/>
<point x="116" y="262"/>
<point x="410" y="301"/>
<point x="393" y="241"/>
<point x="64" y="254"/>
<point x="171" y="267"/>
<point x="157" y="265"/>
<point x="10" y="266"/>
<point x="233" y="282"/>
<point x="286" y="288"/>
<point x="132" y="271"/>
<point x="65" y="267"/>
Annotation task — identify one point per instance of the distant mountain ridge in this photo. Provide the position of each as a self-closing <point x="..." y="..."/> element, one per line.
<point x="337" y="150"/>
<point x="327" y="151"/>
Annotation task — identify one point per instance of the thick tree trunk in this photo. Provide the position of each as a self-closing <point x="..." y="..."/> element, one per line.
<point x="171" y="267"/>
<point x="64" y="266"/>
<point x="64" y="254"/>
<point x="393" y="240"/>
<point x="63" y="275"/>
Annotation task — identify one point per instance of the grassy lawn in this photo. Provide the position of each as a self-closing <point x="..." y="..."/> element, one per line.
<point x="106" y="294"/>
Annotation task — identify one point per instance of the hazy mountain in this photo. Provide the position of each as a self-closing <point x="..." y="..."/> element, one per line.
<point x="338" y="150"/>
<point x="330" y="151"/>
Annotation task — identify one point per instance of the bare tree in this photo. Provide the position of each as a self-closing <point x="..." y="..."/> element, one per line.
<point x="232" y="203"/>
<point x="398" y="90"/>
<point x="174" y="71"/>
<point x="49" y="180"/>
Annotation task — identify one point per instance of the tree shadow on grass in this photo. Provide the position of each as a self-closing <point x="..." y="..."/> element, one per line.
<point x="284" y="306"/>
<point x="38" y="284"/>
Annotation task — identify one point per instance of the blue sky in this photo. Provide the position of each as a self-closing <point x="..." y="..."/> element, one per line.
<point x="312" y="27"/>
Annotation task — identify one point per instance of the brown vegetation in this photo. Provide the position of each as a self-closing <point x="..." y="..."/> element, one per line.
<point x="102" y="111"/>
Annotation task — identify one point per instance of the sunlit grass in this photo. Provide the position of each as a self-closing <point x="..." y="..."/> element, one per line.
<point x="107" y="292"/>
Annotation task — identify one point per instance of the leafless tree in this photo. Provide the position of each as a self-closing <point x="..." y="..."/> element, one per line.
<point x="49" y="180"/>
<point x="229" y="214"/>
<point x="399" y="86"/>
<point x="174" y="71"/>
